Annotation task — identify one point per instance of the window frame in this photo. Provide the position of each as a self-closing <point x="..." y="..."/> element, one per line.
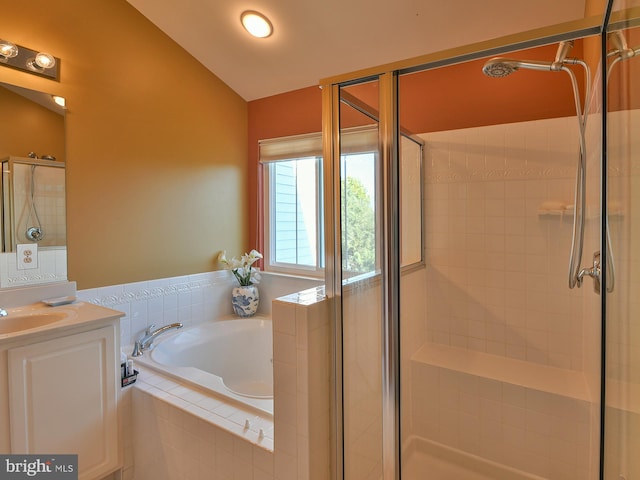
<point x="310" y="146"/>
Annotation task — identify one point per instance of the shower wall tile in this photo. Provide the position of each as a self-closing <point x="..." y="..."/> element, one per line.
<point x="49" y="203"/>
<point x="498" y="237"/>
<point x="496" y="247"/>
<point x="623" y="303"/>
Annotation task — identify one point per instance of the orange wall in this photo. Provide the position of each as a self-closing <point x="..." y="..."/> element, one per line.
<point x="29" y="127"/>
<point x="291" y="113"/>
<point x="457" y="96"/>
<point x="156" y="144"/>
<point x="461" y="96"/>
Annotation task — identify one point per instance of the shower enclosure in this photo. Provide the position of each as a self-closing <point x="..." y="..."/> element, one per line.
<point x="461" y="351"/>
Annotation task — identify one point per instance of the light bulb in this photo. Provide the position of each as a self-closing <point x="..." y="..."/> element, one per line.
<point x="256" y="24"/>
<point x="59" y="100"/>
<point x="8" y="49"/>
<point x="44" y="60"/>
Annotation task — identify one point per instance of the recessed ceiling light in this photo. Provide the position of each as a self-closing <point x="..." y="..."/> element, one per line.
<point x="256" y="24"/>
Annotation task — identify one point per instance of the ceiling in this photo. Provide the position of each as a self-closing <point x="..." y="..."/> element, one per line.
<point x="319" y="39"/>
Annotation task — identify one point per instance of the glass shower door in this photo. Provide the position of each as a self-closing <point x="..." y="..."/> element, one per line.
<point x="360" y="282"/>
<point x="622" y="375"/>
<point x="500" y="359"/>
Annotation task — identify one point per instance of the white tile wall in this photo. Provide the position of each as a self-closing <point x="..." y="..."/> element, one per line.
<point x="190" y="299"/>
<point x="623" y="304"/>
<point x="301" y="360"/>
<point x="498" y="237"/>
<point x="52" y="267"/>
<point x="362" y="360"/>
<point x="496" y="246"/>
<point x="535" y="431"/>
<point x="171" y="441"/>
<point x="49" y="194"/>
<point x="624" y="196"/>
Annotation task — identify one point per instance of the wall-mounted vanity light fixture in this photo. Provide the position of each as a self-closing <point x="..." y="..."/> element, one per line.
<point x="27" y="60"/>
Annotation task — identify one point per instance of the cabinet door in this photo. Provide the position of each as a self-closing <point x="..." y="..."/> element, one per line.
<point x="63" y="399"/>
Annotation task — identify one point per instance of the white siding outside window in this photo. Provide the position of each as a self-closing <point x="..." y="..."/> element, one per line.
<point x="294" y="212"/>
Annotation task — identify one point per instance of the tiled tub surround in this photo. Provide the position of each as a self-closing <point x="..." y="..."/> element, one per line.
<point x="189" y="299"/>
<point x="173" y="431"/>
<point x="182" y="433"/>
<point x="301" y="374"/>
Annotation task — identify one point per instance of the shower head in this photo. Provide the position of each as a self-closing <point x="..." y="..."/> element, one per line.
<point x="501" y="67"/>
<point x="620" y="47"/>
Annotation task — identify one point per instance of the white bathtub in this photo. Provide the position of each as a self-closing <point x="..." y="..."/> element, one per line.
<point x="231" y="358"/>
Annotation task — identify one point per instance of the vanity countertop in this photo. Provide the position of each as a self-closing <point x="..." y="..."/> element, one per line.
<point x="39" y="319"/>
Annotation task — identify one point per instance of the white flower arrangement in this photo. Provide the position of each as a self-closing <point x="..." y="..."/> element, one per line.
<point x="242" y="267"/>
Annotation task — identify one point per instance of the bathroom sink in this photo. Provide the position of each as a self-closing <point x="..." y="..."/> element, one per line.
<point x="26" y="321"/>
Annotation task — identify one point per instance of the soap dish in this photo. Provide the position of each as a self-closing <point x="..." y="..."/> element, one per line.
<point x="55" y="302"/>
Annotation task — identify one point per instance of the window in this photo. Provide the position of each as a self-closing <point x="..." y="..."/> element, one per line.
<point x="293" y="218"/>
<point x="359" y="214"/>
<point x="293" y="203"/>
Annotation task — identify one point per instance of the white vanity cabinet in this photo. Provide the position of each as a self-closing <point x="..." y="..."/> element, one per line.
<point x="62" y="394"/>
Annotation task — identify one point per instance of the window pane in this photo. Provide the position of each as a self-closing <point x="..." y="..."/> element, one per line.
<point x="358" y="214"/>
<point x="410" y="201"/>
<point x="294" y="212"/>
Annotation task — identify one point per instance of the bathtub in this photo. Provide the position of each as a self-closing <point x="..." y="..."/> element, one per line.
<point x="230" y="358"/>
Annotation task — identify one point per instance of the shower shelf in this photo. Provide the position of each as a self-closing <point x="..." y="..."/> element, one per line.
<point x="567" y="213"/>
<point x="558" y="381"/>
<point x="553" y="213"/>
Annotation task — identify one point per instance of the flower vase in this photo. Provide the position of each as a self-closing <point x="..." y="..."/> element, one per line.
<point x="245" y="300"/>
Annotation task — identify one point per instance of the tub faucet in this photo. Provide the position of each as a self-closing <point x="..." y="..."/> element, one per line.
<point x="146" y="340"/>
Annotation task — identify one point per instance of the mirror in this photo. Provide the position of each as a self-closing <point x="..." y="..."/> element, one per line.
<point x="32" y="213"/>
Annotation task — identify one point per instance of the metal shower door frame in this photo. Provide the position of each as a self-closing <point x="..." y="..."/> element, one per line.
<point x="389" y="133"/>
<point x="390" y="268"/>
